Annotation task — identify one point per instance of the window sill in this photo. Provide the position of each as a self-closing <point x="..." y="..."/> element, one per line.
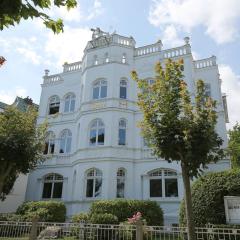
<point x="51" y="199"/>
<point x="165" y="199"/>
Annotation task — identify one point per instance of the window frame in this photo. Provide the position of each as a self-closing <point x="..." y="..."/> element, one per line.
<point x="71" y="101"/>
<point x="100" y="84"/>
<point x="122" y="128"/>
<point x="53" y="102"/>
<point x="68" y="138"/>
<point x="121" y="85"/>
<point x="53" y="182"/>
<point x="96" y="125"/>
<point x="50" y="140"/>
<point x="163" y="174"/>
<point x="97" y="174"/>
<point x="121" y="175"/>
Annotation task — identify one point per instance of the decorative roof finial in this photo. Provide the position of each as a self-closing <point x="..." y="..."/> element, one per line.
<point x="186" y="40"/>
<point x="46" y="72"/>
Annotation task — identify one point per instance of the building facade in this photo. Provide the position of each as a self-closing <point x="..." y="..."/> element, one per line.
<point x="94" y="145"/>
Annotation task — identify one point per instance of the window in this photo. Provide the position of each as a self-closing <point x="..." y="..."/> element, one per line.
<point x="207" y="90"/>
<point x="69" y="105"/>
<point x="49" y="143"/>
<point x="124" y="58"/>
<point x="65" y="141"/>
<point x="150" y="81"/>
<point x="52" y="186"/>
<point x="100" y="89"/>
<point x="94" y="183"/>
<point x="163" y="183"/>
<point x="106" y="58"/>
<point x="123" y="89"/>
<point x="120" y="183"/>
<point x="54" y="105"/>
<point x="122" y="132"/>
<point x="95" y="62"/>
<point x="97" y="132"/>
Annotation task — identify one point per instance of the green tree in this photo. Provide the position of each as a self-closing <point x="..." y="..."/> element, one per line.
<point x="234" y="146"/>
<point x="13" y="11"/>
<point x="176" y="129"/>
<point x="21" y="145"/>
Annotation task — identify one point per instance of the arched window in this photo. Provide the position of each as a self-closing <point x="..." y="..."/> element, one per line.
<point x="124" y="58"/>
<point x="122" y="132"/>
<point x="163" y="183"/>
<point x="100" y="89"/>
<point x="120" y="183"/>
<point x="97" y="133"/>
<point x="52" y="186"/>
<point x="123" y="89"/>
<point x="49" y="143"/>
<point x="65" y="141"/>
<point x="69" y="105"/>
<point x="93" y="183"/>
<point x="54" y="105"/>
<point x="95" y="60"/>
<point x="106" y="58"/>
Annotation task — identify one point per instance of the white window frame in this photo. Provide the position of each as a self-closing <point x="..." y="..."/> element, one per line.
<point x="163" y="174"/>
<point x="122" y="127"/>
<point x="96" y="124"/>
<point x="121" y="175"/>
<point x="66" y="135"/>
<point x="57" y="178"/>
<point x="93" y="174"/>
<point x="54" y="101"/>
<point x="99" y="84"/>
<point x="49" y="140"/>
<point x="123" y="84"/>
<point x="69" y="99"/>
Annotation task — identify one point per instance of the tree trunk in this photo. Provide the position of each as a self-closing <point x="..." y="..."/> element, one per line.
<point x="188" y="204"/>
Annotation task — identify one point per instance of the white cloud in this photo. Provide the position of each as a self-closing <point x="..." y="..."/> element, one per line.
<point x="10" y="95"/>
<point x="231" y="86"/>
<point x="170" y="37"/>
<point x="67" y="46"/>
<point x="219" y="17"/>
<point x="29" y="55"/>
<point x="95" y="11"/>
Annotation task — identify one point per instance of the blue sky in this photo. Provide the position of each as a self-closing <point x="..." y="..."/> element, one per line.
<point x="212" y="25"/>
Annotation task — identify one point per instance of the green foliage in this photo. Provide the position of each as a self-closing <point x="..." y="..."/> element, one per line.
<point x="234" y="146"/>
<point x="124" y="209"/>
<point x="208" y="197"/>
<point x="46" y="211"/>
<point x="21" y="145"/>
<point x="77" y="218"/>
<point x="176" y="129"/>
<point x="12" y="12"/>
<point x="103" y="218"/>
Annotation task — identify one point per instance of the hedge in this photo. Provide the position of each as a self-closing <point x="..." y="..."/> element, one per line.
<point x="124" y="209"/>
<point x="208" y="197"/>
<point x="47" y="211"/>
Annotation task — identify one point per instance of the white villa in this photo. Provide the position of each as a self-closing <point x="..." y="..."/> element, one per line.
<point x="94" y="145"/>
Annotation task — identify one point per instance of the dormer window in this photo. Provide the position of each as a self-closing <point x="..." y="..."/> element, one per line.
<point x="54" y="105"/>
<point x="124" y="58"/>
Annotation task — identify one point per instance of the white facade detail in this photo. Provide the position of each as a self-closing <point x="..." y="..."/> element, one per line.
<point x="95" y="146"/>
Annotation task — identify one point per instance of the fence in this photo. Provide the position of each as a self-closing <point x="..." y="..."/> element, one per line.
<point x="82" y="231"/>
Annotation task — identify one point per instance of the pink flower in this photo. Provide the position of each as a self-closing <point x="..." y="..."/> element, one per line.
<point x="136" y="217"/>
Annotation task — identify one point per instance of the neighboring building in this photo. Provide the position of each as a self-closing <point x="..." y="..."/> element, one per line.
<point x="17" y="195"/>
<point x="95" y="147"/>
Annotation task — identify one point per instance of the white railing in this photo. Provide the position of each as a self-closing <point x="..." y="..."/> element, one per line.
<point x="207" y="62"/>
<point x="69" y="67"/>
<point x="176" y="52"/>
<point x="122" y="40"/>
<point x="71" y="231"/>
<point x="52" y="79"/>
<point x="157" y="47"/>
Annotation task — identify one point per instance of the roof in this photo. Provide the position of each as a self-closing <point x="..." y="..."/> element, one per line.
<point x="21" y="103"/>
<point x="3" y="105"/>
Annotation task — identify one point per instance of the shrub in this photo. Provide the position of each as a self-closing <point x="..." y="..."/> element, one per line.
<point x="47" y="211"/>
<point x="77" y="218"/>
<point x="103" y="218"/>
<point x="124" y="209"/>
<point x="208" y="197"/>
